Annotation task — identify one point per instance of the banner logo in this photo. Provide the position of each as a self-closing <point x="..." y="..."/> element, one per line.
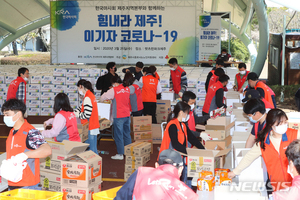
<point x="204" y="21"/>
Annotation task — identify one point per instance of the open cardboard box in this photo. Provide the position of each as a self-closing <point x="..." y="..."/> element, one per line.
<point x="242" y="126"/>
<point x="224" y="144"/>
<point x="208" y="160"/>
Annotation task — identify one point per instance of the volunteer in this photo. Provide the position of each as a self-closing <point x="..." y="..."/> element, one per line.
<point x="215" y="96"/>
<point x="104" y="82"/>
<point x="151" y="87"/>
<point x="178" y="80"/>
<point x="212" y="77"/>
<point x="64" y="123"/>
<point x="17" y="88"/>
<point x="256" y="112"/>
<point x="254" y="94"/>
<point x="240" y="78"/>
<point x="293" y="155"/>
<point x="136" y="101"/>
<point x="161" y="182"/>
<point x="177" y="134"/>
<point x="88" y="112"/>
<point x="136" y="71"/>
<point x="24" y="146"/>
<point x="271" y="144"/>
<point x="120" y="94"/>
<point x="190" y="98"/>
<point x="263" y="89"/>
<point x="224" y="56"/>
<point x="145" y="71"/>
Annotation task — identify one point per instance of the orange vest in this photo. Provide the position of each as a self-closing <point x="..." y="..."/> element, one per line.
<point x="94" y="119"/>
<point x="13" y="88"/>
<point x="213" y="79"/>
<point x="267" y="96"/>
<point x="16" y="144"/>
<point x="267" y="104"/>
<point x="240" y="81"/>
<point x="182" y="135"/>
<point x="277" y="163"/>
<point x="209" y="99"/>
<point x="149" y="88"/>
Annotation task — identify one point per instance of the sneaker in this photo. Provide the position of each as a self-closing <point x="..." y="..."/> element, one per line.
<point x="118" y="157"/>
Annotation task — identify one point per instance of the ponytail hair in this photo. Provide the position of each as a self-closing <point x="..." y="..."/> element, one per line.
<point x="128" y="79"/>
<point x="180" y="106"/>
<point x="152" y="70"/>
<point x="115" y="79"/>
<point x="86" y="84"/>
<point x="274" y="117"/>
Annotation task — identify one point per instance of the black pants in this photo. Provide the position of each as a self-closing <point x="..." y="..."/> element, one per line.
<point x="298" y="103"/>
<point x="150" y="109"/>
<point x="137" y="113"/>
<point x="204" y="114"/>
<point x="274" y="101"/>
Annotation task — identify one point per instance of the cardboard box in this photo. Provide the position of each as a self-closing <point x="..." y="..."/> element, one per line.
<point x="47" y="79"/>
<point x="34" y="103"/>
<point x="213" y="144"/>
<point x="34" y="87"/>
<point x="85" y="72"/>
<point x="72" y="193"/>
<point x="82" y="170"/>
<point x="200" y="85"/>
<point x="294" y="125"/>
<point x="59" y="72"/>
<point x="9" y="79"/>
<point x="219" y="128"/>
<point x="104" y="110"/>
<point x="207" y="160"/>
<point x="160" y="118"/>
<point x="71" y="89"/>
<point x="143" y="123"/>
<point x="73" y="96"/>
<point x="47" y="88"/>
<point x="72" y="80"/>
<point x="33" y="96"/>
<point x="137" y="149"/>
<point x="165" y="83"/>
<point x="103" y="72"/>
<point x="83" y="130"/>
<point x="47" y="103"/>
<point x="242" y="126"/>
<point x="33" y="111"/>
<point x="166" y="103"/>
<point x="50" y="181"/>
<point x="59" y="80"/>
<point x="146" y="140"/>
<point x="59" y="88"/>
<point x="192" y="82"/>
<point x="96" y="72"/>
<point x="2" y="79"/>
<point x="3" y="87"/>
<point x="35" y="79"/>
<point x="156" y="134"/>
<point x="72" y="73"/>
<point x="141" y="135"/>
<point x="130" y="169"/>
<point x="225" y="121"/>
<point x="48" y="95"/>
<point x="127" y="175"/>
<point x="74" y="104"/>
<point x="47" y="112"/>
<point x="104" y="123"/>
<point x="167" y="96"/>
<point x="139" y="160"/>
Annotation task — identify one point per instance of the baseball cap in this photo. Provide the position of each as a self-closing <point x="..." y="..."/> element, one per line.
<point x="170" y="156"/>
<point x="252" y="76"/>
<point x="251" y="94"/>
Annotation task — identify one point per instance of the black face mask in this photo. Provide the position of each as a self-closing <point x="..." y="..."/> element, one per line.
<point x="115" y="69"/>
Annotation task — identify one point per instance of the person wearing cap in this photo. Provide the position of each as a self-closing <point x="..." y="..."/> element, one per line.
<point x="254" y="94"/>
<point x="161" y="182"/>
<point x="241" y="77"/>
<point x="178" y="80"/>
<point x="136" y="71"/>
<point x="215" y="96"/>
<point x="262" y="88"/>
<point x="212" y="77"/>
<point x="256" y="111"/>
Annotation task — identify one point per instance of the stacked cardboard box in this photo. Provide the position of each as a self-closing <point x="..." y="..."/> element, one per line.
<point x="50" y="167"/>
<point x="83" y="130"/>
<point x="81" y="176"/>
<point x="163" y="108"/>
<point x="142" y="129"/>
<point x="137" y="154"/>
<point x="220" y="128"/>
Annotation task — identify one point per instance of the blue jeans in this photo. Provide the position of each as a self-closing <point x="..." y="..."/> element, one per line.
<point x="122" y="133"/>
<point x="92" y="141"/>
<point x="184" y="177"/>
<point x="33" y="187"/>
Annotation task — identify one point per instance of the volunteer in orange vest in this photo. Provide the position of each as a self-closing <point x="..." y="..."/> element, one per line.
<point x="178" y="79"/>
<point x="17" y="88"/>
<point x="240" y="78"/>
<point x="262" y="88"/>
<point x="293" y="155"/>
<point x="64" y="123"/>
<point x="161" y="182"/>
<point x="215" y="96"/>
<point x="120" y="96"/>
<point x="254" y="94"/>
<point x="151" y="87"/>
<point x="25" y="145"/>
<point x="256" y="112"/>
<point x="271" y="144"/>
<point x="136" y="101"/>
<point x="212" y="77"/>
<point x="177" y="135"/>
<point x="88" y="112"/>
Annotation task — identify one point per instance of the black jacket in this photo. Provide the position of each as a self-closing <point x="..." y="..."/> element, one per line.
<point x="137" y="76"/>
<point x="103" y="82"/>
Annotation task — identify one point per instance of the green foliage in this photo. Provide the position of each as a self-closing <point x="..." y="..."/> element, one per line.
<point x="237" y="48"/>
<point x="289" y="91"/>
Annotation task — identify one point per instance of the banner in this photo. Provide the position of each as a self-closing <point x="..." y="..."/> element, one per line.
<point x="105" y="31"/>
<point x="210" y="37"/>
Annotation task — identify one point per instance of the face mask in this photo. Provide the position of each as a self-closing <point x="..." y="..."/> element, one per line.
<point x="9" y="121"/>
<point x="25" y="78"/>
<point x="115" y="69"/>
<point x="192" y="106"/>
<point x="281" y="129"/>
<point x="185" y="119"/>
<point x="242" y="72"/>
<point x="80" y="92"/>
<point x="289" y="171"/>
<point x="223" y="54"/>
<point x="254" y="121"/>
<point x="172" y="69"/>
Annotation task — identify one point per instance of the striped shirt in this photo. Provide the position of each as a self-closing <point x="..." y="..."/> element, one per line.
<point x="87" y="109"/>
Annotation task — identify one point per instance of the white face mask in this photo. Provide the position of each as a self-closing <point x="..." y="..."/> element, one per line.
<point x="192" y="106"/>
<point x="172" y="69"/>
<point x="281" y="129"/>
<point x="242" y="72"/>
<point x="185" y="119"/>
<point x="9" y="121"/>
<point x="289" y="171"/>
<point x="25" y="78"/>
<point x="80" y="92"/>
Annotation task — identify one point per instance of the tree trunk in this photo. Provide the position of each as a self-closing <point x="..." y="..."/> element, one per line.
<point x="14" y="45"/>
<point x="40" y="32"/>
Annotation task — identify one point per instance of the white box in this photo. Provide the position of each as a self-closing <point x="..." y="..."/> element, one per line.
<point x="165" y="89"/>
<point x="167" y="96"/>
<point x="34" y="87"/>
<point x="229" y="102"/>
<point x="71" y="89"/>
<point x="96" y="72"/>
<point x="194" y="90"/>
<point x="35" y="79"/>
<point x="90" y="79"/>
<point x="73" y="96"/>
<point x="74" y="104"/>
<point x="201" y="93"/>
<point x="2" y="79"/>
<point x="200" y="85"/>
<point x="47" y="112"/>
<point x="46" y="88"/>
<point x="59" y="88"/>
<point x="59" y="80"/>
<point x="33" y="96"/>
<point x="72" y="80"/>
<point x="33" y="111"/>
<point x="3" y="95"/>
<point x="47" y="79"/>
<point x="9" y="79"/>
<point x="97" y="95"/>
<point x="192" y="83"/>
<point x="48" y="95"/>
<point x="3" y="87"/>
<point x="59" y="72"/>
<point x="47" y="103"/>
<point x="103" y="72"/>
<point x="34" y="103"/>
<point x="72" y="73"/>
<point x="85" y="72"/>
<point x="104" y="110"/>
<point x="165" y="83"/>
<point x="242" y="126"/>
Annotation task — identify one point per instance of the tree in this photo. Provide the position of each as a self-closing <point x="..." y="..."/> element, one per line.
<point x="25" y="38"/>
<point x="42" y="36"/>
<point x="237" y="48"/>
<point x="33" y="35"/>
